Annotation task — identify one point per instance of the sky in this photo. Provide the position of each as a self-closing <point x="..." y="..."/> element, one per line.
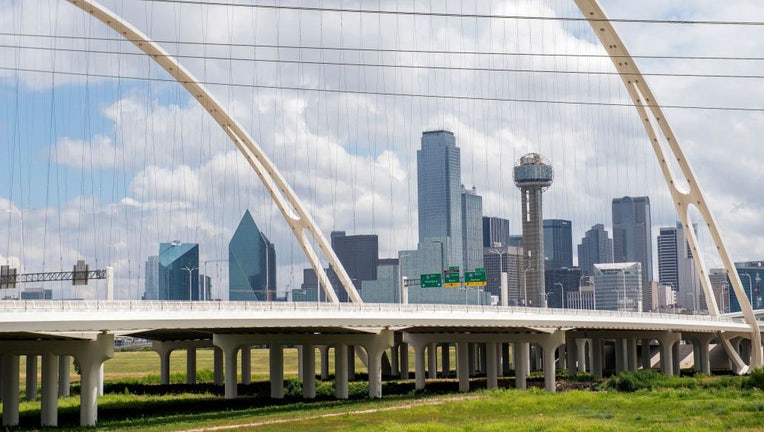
<point x="103" y="156"/>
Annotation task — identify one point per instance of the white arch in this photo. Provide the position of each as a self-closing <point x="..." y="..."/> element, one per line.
<point x="651" y="113"/>
<point x="302" y="224"/>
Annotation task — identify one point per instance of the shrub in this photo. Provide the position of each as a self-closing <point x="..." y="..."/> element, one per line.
<point x="639" y="380"/>
<point x="756" y="379"/>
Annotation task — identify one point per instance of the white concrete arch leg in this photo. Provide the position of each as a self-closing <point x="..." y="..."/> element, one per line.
<point x="49" y="402"/>
<point x="10" y="371"/>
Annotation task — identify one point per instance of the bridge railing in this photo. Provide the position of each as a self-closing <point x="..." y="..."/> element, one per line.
<point x="155" y="306"/>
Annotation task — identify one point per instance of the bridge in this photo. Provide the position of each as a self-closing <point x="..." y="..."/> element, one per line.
<point x="381" y="334"/>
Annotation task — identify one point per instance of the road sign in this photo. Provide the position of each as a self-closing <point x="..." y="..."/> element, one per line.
<point x="475" y="278"/>
<point x="7" y="277"/>
<point x="453" y="280"/>
<point x="430" y="280"/>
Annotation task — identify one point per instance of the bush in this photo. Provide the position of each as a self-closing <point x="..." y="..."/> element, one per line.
<point x="755" y="379"/>
<point x="639" y="380"/>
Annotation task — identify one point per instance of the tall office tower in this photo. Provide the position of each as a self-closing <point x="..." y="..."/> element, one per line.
<point x="558" y="244"/>
<point x="721" y="286"/>
<point x="618" y="286"/>
<point x="178" y="271"/>
<point x="596" y="248"/>
<point x="561" y="283"/>
<point x="507" y="259"/>
<point x="472" y="230"/>
<point x="359" y="254"/>
<point x="439" y="192"/>
<point x="151" y="283"/>
<point x="533" y="175"/>
<point x="251" y="263"/>
<point x="751" y="276"/>
<point x="495" y="232"/>
<point x="632" y="233"/>
<point x="676" y="267"/>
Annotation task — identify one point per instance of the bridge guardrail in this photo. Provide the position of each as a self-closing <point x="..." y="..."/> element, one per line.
<point x="153" y="305"/>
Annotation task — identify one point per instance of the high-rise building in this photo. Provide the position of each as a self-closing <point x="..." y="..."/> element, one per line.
<point x="251" y="263"/>
<point x="533" y="175"/>
<point x="561" y="283"/>
<point x="472" y="230"/>
<point x="632" y="233"/>
<point x="596" y="248"/>
<point x="359" y="255"/>
<point x="178" y="271"/>
<point x="151" y="283"/>
<point x="509" y="260"/>
<point x="558" y="244"/>
<point x="439" y="192"/>
<point x="676" y="267"/>
<point x="495" y="232"/>
<point x="751" y="276"/>
<point x="387" y="287"/>
<point x="618" y="286"/>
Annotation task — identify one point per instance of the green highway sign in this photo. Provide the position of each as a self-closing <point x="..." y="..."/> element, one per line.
<point x="475" y="278"/>
<point x="453" y="280"/>
<point x="430" y="280"/>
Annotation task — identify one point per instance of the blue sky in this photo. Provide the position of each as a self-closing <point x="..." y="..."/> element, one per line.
<point x="105" y="169"/>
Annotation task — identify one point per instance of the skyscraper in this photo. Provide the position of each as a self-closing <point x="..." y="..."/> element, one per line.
<point x="676" y="267"/>
<point x="472" y="230"/>
<point x="618" y="286"/>
<point x="533" y="176"/>
<point x="151" y="284"/>
<point x="596" y="247"/>
<point x="495" y="232"/>
<point x="439" y="192"/>
<point x="558" y="244"/>
<point x="251" y="263"/>
<point x="178" y="271"/>
<point x="632" y="233"/>
<point x="359" y="254"/>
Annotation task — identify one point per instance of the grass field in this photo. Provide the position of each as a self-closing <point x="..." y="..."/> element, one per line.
<point x="134" y="402"/>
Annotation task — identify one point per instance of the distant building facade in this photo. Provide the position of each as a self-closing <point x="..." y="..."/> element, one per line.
<point x="472" y="230"/>
<point x="495" y="232"/>
<point x="558" y="244"/>
<point x="151" y="281"/>
<point x="178" y="271"/>
<point x="632" y="233"/>
<point x="618" y="286"/>
<point x="251" y="263"/>
<point x="359" y="255"/>
<point x="676" y="267"/>
<point x="596" y="248"/>
<point x="560" y="283"/>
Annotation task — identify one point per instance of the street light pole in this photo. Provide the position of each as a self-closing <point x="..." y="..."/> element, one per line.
<point x="562" y="293"/>
<point x="190" y="271"/>
<point x="502" y="278"/>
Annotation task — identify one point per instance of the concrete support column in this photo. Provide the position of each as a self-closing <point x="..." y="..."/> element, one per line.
<point x="499" y="359"/>
<point x="419" y="369"/>
<point x="667" y="342"/>
<point x="230" y="347"/>
<point x="550" y="369"/>
<point x="394" y="361"/>
<point x="31" y="382"/>
<point x="351" y="362"/>
<point x="481" y="356"/>
<point x="676" y="359"/>
<point x="341" y="371"/>
<point x="246" y="365"/>
<point x="276" y="372"/>
<point x="403" y="350"/>
<point x="64" y="365"/>
<point x="217" y="365"/>
<point x="463" y="354"/>
<point x="374" y="358"/>
<point x="620" y="361"/>
<point x="596" y="357"/>
<point x="191" y="366"/>
<point x="10" y="371"/>
<point x="308" y="371"/>
<point x="324" y="351"/>
<point x="100" y="380"/>
<point x="631" y="349"/>
<point x="90" y="358"/>
<point x="491" y="366"/>
<point x="571" y="350"/>
<point x="521" y="364"/>
<point x="432" y="360"/>
<point x="49" y="402"/>
<point x="445" y="359"/>
<point x="702" y="360"/>
<point x="473" y="359"/>
<point x="164" y="351"/>
<point x="581" y="354"/>
<point x="506" y="360"/>
<point x="646" y="355"/>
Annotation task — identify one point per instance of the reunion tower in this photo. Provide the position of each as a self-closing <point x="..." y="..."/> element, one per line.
<point x="533" y="175"/>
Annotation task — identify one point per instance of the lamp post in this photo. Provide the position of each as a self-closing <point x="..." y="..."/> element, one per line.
<point x="525" y="284"/>
<point x="502" y="279"/>
<point x="750" y="287"/>
<point x="190" y="271"/>
<point x="562" y="293"/>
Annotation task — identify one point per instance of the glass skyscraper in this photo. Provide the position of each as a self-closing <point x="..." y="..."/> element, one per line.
<point x="472" y="230"/>
<point x="596" y="248"/>
<point x="495" y="232"/>
<point x="558" y="244"/>
<point x="359" y="254"/>
<point x="251" y="263"/>
<point x="178" y="271"/>
<point x="439" y="192"/>
<point x="618" y="286"/>
<point x="632" y="233"/>
<point x="151" y="284"/>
